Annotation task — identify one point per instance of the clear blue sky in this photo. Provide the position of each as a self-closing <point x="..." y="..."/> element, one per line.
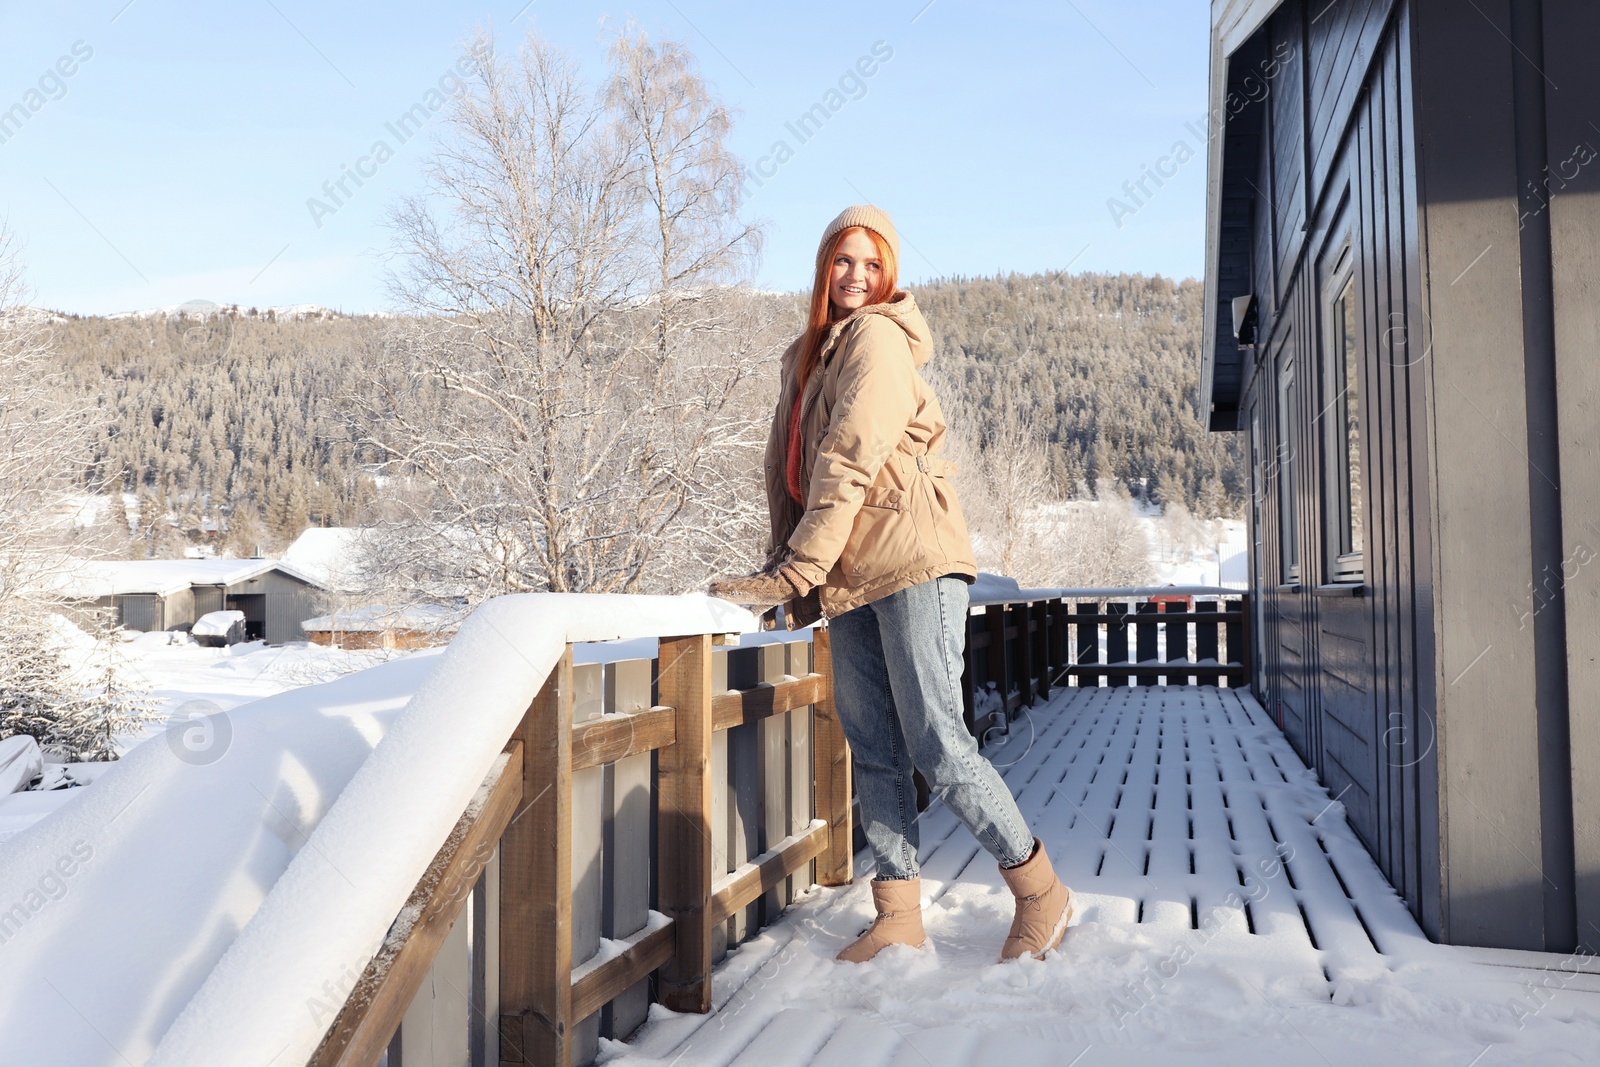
<point x="175" y="162"/>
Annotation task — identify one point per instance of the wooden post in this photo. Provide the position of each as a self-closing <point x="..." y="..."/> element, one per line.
<point x="830" y="762"/>
<point x="683" y="877"/>
<point x="536" y="886"/>
<point x="1042" y="643"/>
<point x="1239" y="642"/>
<point x="1023" y="613"/>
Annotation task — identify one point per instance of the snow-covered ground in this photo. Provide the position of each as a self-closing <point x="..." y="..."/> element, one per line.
<point x="1189" y="551"/>
<point x="1225" y="914"/>
<point x="181" y="909"/>
<point x="194" y="682"/>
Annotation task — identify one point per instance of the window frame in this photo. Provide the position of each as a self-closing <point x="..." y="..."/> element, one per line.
<point x="1340" y="514"/>
<point x="1287" y="473"/>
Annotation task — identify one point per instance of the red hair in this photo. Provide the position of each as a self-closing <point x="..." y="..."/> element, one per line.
<point x="821" y="315"/>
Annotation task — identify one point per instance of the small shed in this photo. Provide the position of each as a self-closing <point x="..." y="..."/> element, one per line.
<point x="170" y="594"/>
<point x="414" y="626"/>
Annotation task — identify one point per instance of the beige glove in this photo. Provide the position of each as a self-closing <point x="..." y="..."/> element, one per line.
<point x="761" y="589"/>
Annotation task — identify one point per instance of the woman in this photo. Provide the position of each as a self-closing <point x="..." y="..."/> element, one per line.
<point x="867" y="532"/>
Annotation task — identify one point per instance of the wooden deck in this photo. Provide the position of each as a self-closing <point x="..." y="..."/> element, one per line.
<point x="1226" y="914"/>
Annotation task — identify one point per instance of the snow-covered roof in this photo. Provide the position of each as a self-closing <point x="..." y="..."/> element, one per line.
<point x="421" y="617"/>
<point x="163" y="577"/>
<point x="326" y="553"/>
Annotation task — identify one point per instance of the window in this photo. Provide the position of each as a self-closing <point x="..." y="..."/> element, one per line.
<point x="1341" y="430"/>
<point x="1288" y="481"/>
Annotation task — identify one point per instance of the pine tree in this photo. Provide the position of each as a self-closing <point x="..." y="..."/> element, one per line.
<point x="119" y="704"/>
<point x="34" y="697"/>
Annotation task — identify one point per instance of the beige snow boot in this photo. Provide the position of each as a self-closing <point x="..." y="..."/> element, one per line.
<point x="1044" y="906"/>
<point x="899" y="921"/>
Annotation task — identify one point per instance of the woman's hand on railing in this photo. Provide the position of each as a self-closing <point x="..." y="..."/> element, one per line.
<point x="762" y="589"/>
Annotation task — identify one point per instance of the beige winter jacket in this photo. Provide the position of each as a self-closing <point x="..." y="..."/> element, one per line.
<point x="880" y="512"/>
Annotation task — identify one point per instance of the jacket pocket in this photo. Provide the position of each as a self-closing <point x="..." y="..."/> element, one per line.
<point x="884" y="539"/>
<point x="883" y="496"/>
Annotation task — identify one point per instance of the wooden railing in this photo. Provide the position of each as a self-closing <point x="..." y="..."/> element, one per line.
<point x="734" y="822"/>
<point x="1019" y="650"/>
<point x="646" y="815"/>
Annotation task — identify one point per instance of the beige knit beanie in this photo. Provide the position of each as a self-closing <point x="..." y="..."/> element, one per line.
<point x="860" y="215"/>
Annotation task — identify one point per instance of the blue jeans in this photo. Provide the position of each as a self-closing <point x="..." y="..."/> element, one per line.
<point x="897" y="685"/>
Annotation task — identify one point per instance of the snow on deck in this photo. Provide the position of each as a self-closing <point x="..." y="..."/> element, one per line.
<point x="1226" y="914"/>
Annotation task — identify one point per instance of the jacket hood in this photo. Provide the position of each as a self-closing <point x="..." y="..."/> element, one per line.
<point x="902" y="310"/>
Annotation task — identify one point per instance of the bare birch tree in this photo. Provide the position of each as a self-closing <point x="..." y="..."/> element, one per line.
<point x="565" y="404"/>
<point x="1022" y="524"/>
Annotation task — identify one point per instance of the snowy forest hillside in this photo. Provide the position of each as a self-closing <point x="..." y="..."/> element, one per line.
<point x="235" y="427"/>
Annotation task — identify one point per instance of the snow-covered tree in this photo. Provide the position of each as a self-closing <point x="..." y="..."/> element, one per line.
<point x="1021" y="521"/>
<point x="571" y="406"/>
<point x="117" y="703"/>
<point x="43" y="433"/>
<point x="35" y="696"/>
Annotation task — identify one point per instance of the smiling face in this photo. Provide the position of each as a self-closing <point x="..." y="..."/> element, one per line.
<point x="856" y="272"/>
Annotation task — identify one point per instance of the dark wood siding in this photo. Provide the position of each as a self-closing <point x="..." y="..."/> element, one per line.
<point x="1450" y="706"/>
<point x="1286" y="159"/>
<point x="1343" y="671"/>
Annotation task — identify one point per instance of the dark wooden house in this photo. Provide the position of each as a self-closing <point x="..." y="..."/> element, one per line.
<point x="1403" y="318"/>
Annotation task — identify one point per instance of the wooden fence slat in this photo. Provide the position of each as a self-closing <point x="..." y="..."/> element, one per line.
<point x="1146" y="640"/>
<point x="1174" y="643"/>
<point x="1205" y="630"/>
<point x="830" y="757"/>
<point x="720" y="803"/>
<point x="1025" y="649"/>
<point x="627" y="844"/>
<point x="362" y="1029"/>
<point x="1066" y="655"/>
<point x="1088" y="650"/>
<point x="743" y="790"/>
<point x="999" y="662"/>
<point x="772" y="665"/>
<point x="1117" y="641"/>
<point x="800" y="767"/>
<point x="536" y="886"/>
<point x="1043" y="647"/>
<point x="588" y="831"/>
<point x="684" y="876"/>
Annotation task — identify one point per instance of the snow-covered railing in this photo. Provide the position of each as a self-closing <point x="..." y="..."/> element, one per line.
<point x="1021" y="643"/>
<point x="548" y="843"/>
<point x="535" y="824"/>
<point x="496" y="846"/>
